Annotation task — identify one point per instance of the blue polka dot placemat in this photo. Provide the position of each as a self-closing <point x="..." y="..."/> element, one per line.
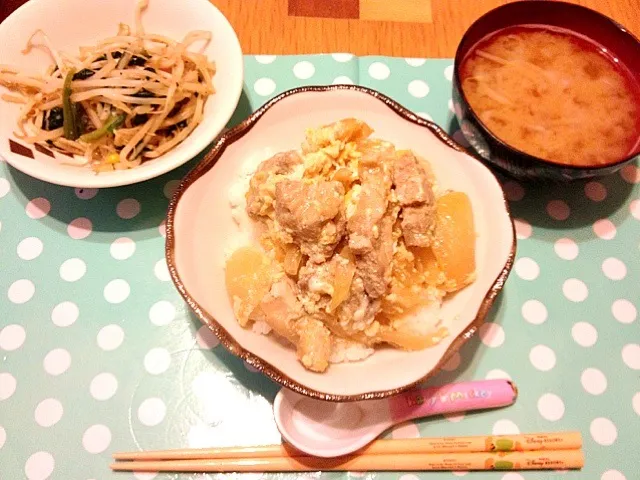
<point x="99" y="354"/>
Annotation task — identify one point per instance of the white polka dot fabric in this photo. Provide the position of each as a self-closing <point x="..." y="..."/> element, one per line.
<point x="99" y="354"/>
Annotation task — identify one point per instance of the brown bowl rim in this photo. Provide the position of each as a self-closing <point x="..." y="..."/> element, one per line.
<point x="254" y="360"/>
<point x="532" y="158"/>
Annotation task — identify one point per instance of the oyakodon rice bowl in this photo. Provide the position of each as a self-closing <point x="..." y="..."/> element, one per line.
<point x="227" y="229"/>
<point x="351" y="238"/>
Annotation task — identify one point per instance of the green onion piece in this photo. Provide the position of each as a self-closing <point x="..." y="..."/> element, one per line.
<point x="70" y="120"/>
<point x="119" y="120"/>
<point x="113" y="122"/>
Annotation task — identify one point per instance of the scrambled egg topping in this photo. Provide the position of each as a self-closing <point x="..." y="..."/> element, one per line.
<point x="354" y="241"/>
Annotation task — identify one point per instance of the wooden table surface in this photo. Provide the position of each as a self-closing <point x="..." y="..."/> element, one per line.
<point x="409" y="28"/>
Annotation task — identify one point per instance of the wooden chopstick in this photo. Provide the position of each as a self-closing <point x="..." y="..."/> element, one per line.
<point x="537" y="451"/>
<point x="529" y="460"/>
<point x="480" y="443"/>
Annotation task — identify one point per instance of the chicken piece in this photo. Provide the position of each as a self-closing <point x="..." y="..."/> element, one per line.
<point x="313" y="214"/>
<point x="372" y="200"/>
<point x="374" y="165"/>
<point x="281" y="309"/>
<point x="375" y="276"/>
<point x="374" y="266"/>
<point x="314" y="345"/>
<point x="345" y="130"/>
<point x="427" y="169"/>
<point x="418" y="224"/>
<point x="362" y="226"/>
<point x="318" y="277"/>
<point x="415" y="194"/>
<point x="262" y="185"/>
<point x="281" y="163"/>
<point x="331" y="279"/>
<point x="410" y="180"/>
<point x="345" y="269"/>
<point x="355" y="317"/>
<point x="305" y="208"/>
<point x="374" y="146"/>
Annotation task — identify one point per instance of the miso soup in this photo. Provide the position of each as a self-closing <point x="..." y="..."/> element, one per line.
<point x="553" y="94"/>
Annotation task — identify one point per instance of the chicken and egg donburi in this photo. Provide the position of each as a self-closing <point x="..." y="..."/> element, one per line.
<point x="358" y="247"/>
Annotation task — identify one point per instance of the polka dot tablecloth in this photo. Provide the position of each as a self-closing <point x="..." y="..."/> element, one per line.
<point x="99" y="354"/>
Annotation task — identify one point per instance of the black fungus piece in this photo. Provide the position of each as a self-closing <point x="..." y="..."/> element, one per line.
<point x="144" y="93"/>
<point x="116" y="54"/>
<point x="53" y="119"/>
<point x="178" y="126"/>
<point x="177" y="107"/>
<point x="83" y="74"/>
<point x="137" y="61"/>
<point x="139" y="120"/>
<point x="150" y="69"/>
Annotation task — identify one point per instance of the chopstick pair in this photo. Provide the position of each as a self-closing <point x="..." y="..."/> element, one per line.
<point x="541" y="451"/>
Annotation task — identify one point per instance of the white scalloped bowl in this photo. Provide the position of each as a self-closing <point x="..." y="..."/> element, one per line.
<point x="200" y="226"/>
<point x="73" y="23"/>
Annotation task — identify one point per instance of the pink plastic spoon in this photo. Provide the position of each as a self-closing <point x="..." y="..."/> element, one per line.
<point x="329" y="429"/>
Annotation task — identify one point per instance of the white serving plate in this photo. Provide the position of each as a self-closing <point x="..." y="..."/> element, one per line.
<point x="73" y="23"/>
<point x="200" y="226"/>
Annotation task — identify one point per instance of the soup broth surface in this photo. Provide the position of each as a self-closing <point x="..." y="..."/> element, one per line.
<point x="553" y="94"/>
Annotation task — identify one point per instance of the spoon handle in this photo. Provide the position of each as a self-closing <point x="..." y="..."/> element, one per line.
<point x="452" y="398"/>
